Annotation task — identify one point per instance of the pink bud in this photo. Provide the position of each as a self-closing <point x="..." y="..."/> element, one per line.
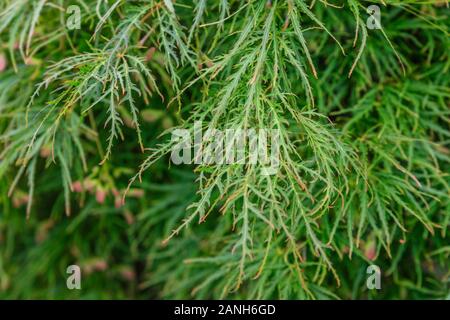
<point x="370" y="251"/>
<point x="129" y="217"/>
<point x="100" y="265"/>
<point x="88" y="185"/>
<point x="128" y="274"/>
<point x="137" y="193"/>
<point x="150" y="53"/>
<point x="77" y="187"/>
<point x="45" y="151"/>
<point x="118" y="202"/>
<point x="3" y="62"/>
<point x="115" y="192"/>
<point x="100" y="195"/>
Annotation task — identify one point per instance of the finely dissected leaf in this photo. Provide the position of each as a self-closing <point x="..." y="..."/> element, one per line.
<point x="87" y="126"/>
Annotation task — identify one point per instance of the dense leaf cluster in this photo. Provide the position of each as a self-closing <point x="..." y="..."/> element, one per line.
<point x="85" y="123"/>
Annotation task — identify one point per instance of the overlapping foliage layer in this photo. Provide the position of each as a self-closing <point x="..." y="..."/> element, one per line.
<point x="85" y="120"/>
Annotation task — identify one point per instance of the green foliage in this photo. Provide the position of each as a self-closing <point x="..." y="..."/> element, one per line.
<point x="85" y="123"/>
